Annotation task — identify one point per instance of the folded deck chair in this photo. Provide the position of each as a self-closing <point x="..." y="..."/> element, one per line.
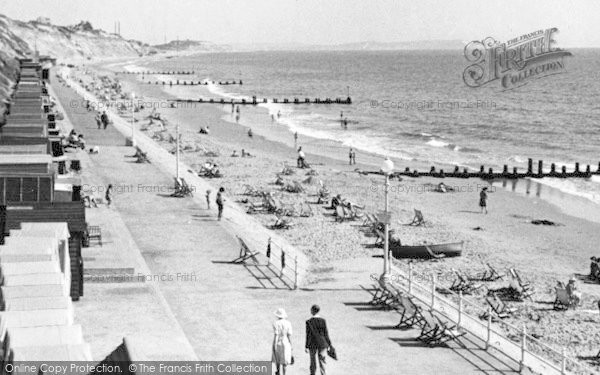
<point x="500" y="309"/>
<point x="245" y="253"/>
<point x="418" y="219"/>
<point x="463" y="283"/>
<point x="563" y="300"/>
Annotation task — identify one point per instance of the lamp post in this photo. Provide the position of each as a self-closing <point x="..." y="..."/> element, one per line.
<point x="132" y="117"/>
<point x="177" y="152"/>
<point x="387" y="167"/>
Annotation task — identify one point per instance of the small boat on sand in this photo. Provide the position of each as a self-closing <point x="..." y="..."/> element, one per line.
<point x="453" y="249"/>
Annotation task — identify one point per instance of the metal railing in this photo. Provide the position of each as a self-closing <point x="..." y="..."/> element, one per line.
<point x="285" y="264"/>
<point x="512" y="341"/>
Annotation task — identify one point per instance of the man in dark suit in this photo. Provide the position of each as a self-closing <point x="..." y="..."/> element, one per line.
<point x="317" y="340"/>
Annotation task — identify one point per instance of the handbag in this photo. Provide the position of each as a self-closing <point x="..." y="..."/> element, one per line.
<point x="331" y="352"/>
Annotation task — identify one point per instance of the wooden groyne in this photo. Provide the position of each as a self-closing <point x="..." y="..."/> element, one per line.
<point x="166" y="73"/>
<point x="513" y="173"/>
<point x="194" y="83"/>
<point x="255" y="101"/>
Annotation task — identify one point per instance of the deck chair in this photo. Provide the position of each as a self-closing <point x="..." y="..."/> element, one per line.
<point x="418" y="220"/>
<point x="370" y="220"/>
<point x="249" y="190"/>
<point x="186" y="190"/>
<point x="526" y="287"/>
<point x="340" y="213"/>
<point x="305" y="210"/>
<point x="245" y="253"/>
<point x="93" y="232"/>
<point x="491" y="274"/>
<point x="281" y="223"/>
<point x="353" y="211"/>
<point x="563" y="300"/>
<point x="410" y="314"/>
<point x="463" y="283"/>
<point x="178" y="188"/>
<point x="499" y="307"/>
<point x="436" y="331"/>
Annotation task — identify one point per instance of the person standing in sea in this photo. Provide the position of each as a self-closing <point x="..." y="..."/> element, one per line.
<point x="483" y="200"/>
<point x="220" y="201"/>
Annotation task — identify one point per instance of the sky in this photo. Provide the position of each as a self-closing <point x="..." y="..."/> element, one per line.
<point x="325" y="22"/>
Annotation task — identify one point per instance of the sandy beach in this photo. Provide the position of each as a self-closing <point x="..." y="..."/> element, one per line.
<point x="505" y="237"/>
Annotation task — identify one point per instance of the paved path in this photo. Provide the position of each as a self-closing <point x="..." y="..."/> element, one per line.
<point x="224" y="311"/>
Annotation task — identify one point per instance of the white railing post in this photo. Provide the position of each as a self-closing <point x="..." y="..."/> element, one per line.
<point x="432" y="291"/>
<point x="489" y="329"/>
<point x="409" y="278"/>
<point x="460" y="308"/>
<point x="523" y="349"/>
<point x="296" y="272"/>
<point x="563" y="369"/>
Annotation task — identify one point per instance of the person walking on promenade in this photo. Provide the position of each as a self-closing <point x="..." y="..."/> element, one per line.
<point x="483" y="200"/>
<point x="108" y="195"/>
<point x="220" y="201"/>
<point x="104" y="119"/>
<point x="282" y="342"/>
<point x="99" y="121"/>
<point x="208" y="199"/>
<point x="317" y="340"/>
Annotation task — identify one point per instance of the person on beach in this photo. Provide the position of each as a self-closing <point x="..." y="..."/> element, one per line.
<point x="237" y="118"/>
<point x="234" y="154"/>
<point x="208" y="199"/>
<point x="98" y="121"/>
<point x="483" y="200"/>
<point x="342" y="118"/>
<point x="220" y="201"/>
<point x="272" y="118"/>
<point x="108" y="195"/>
<point x="250" y="134"/>
<point x="232" y="107"/>
<point x="352" y="156"/>
<point x="278" y="114"/>
<point x="594" y="269"/>
<point x="573" y="291"/>
<point x="345" y="123"/>
<point x="301" y="158"/>
<point x="317" y="340"/>
<point x="282" y="342"/>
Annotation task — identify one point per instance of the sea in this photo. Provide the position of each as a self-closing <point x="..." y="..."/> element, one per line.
<point x="414" y="105"/>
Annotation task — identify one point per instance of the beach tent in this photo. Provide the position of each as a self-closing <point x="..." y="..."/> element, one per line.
<point x="80" y="352"/>
<point x="45" y="336"/>
<point x="38" y="303"/>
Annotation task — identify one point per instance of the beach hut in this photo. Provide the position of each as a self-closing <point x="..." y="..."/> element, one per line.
<point x="80" y="352"/>
<point x="45" y="336"/>
<point x="72" y="213"/>
<point x="38" y="303"/>
<point x="36" y="318"/>
<point x="26" y="178"/>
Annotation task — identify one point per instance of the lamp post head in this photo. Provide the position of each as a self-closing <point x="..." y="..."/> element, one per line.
<point x="387" y="167"/>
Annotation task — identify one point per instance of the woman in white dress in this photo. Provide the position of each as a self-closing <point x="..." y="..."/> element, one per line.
<point x="282" y="342"/>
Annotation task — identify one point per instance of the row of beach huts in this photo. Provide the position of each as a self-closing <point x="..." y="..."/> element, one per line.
<point x="42" y="230"/>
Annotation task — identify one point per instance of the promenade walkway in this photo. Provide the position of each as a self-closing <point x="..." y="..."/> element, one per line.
<point x="224" y="311"/>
